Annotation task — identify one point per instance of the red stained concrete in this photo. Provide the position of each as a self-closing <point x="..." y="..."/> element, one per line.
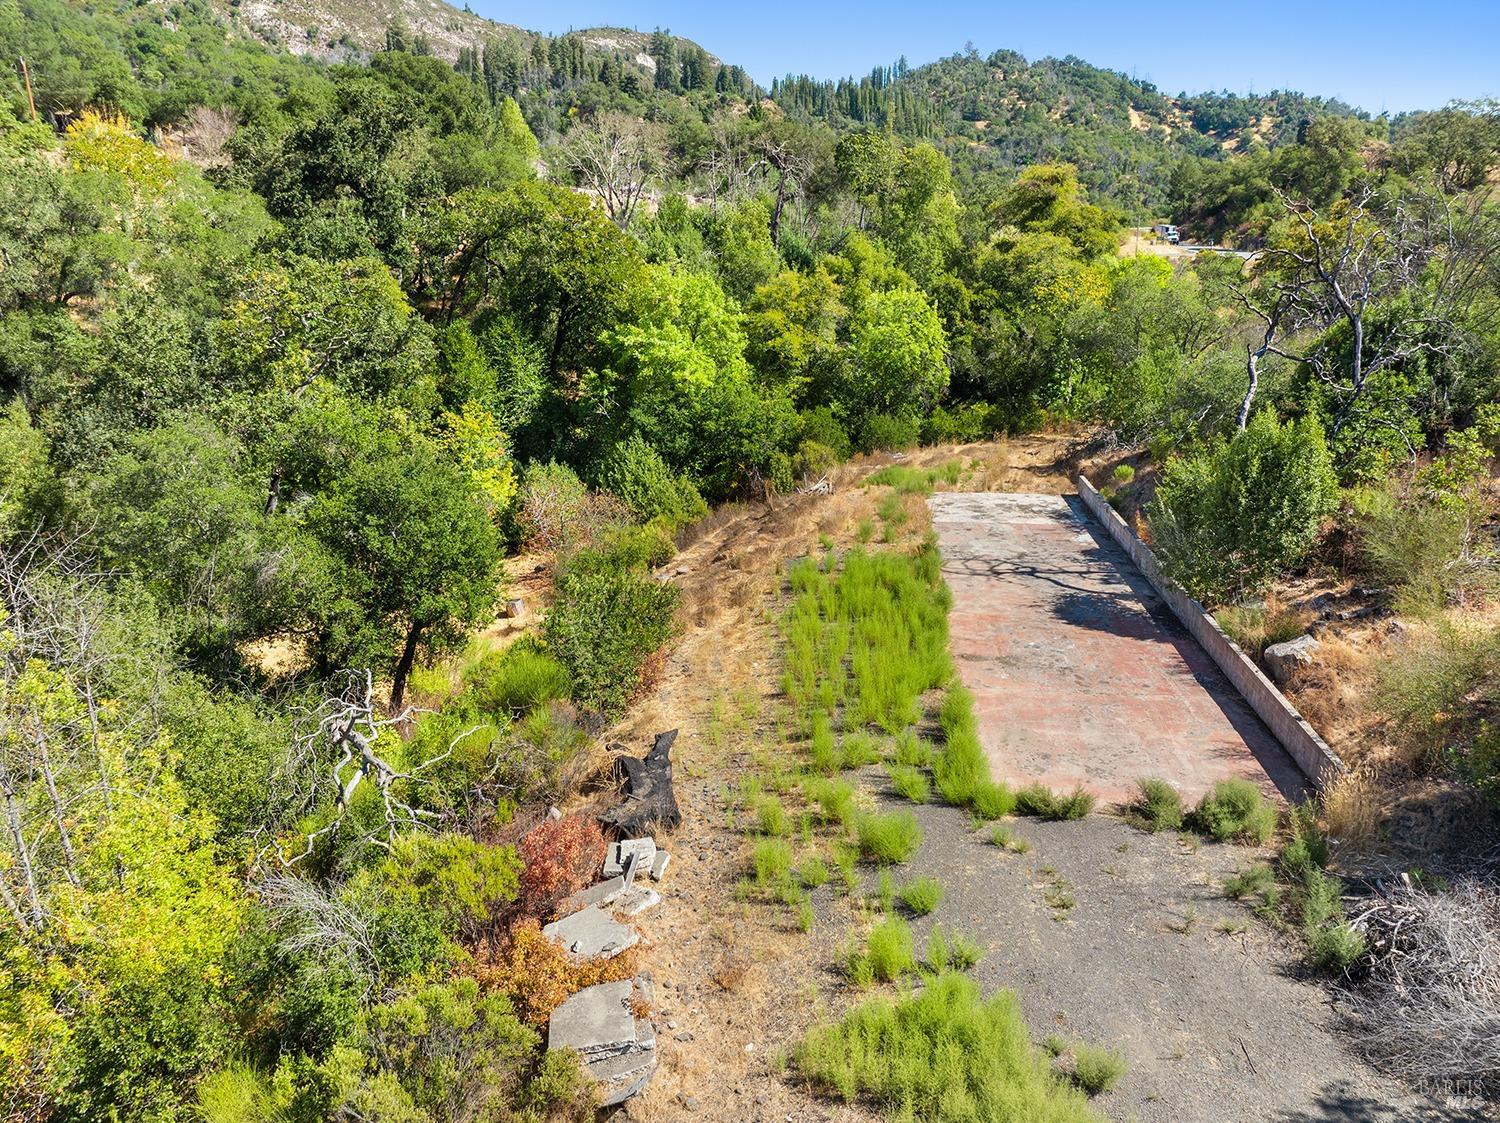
<point x="1080" y="674"/>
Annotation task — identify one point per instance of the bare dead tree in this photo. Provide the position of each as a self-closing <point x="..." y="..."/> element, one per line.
<point x="1336" y="267"/>
<point x="55" y="659"/>
<point x="616" y="158"/>
<point x="324" y="922"/>
<point x="791" y="168"/>
<point x="336" y="753"/>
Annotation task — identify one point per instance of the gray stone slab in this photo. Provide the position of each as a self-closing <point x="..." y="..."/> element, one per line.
<point x="1284" y="659"/>
<point x="632" y="854"/>
<point x="597" y="1021"/>
<point x="600" y="894"/>
<point x="659" y="865"/>
<point x="591" y="933"/>
<point x="635" y="901"/>
<point x="623" y="1076"/>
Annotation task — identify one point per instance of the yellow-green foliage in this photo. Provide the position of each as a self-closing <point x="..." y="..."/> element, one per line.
<point x="943" y="1055"/>
<point x="890" y="838"/>
<point x="909" y="782"/>
<point x="922" y="895"/>
<point x="1235" y="809"/>
<point x="916" y="481"/>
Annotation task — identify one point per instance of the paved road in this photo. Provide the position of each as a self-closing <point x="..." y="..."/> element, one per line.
<point x="1080" y="674"/>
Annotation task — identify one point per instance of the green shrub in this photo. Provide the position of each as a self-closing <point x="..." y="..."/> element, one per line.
<point x="813" y="871"/>
<point x="636" y="473"/>
<point x="961" y="424"/>
<point x="1235" y="809"/>
<point x="909" y="783"/>
<point x="603" y="627"/>
<point x="1039" y="801"/>
<point x="1248" y="881"/>
<point x="941" y="1054"/>
<point x="915" y="481"/>
<point x="1123" y="474"/>
<point x="770" y="816"/>
<point x="922" y="895"/>
<point x="912" y="751"/>
<point x="823" y="751"/>
<point x="1157" y="808"/>
<point x="992" y="799"/>
<point x="1337" y="947"/>
<point x="835" y="800"/>
<point x="1097" y="1069"/>
<point x="822" y="427"/>
<point x="884" y="433"/>
<point x="1231" y="519"/>
<point x="772" y="858"/>
<point x="519" y="680"/>
<point x="860" y="749"/>
<point x="1002" y="837"/>
<point x="889" y="948"/>
<point x="890" y="838"/>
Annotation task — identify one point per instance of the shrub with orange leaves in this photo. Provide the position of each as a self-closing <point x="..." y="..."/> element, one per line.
<point x="539" y="976"/>
<point x="561" y="856"/>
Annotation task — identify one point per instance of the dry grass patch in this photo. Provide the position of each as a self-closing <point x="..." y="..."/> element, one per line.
<point x="1354" y="807"/>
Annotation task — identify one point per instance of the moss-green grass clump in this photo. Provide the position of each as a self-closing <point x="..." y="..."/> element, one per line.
<point x="943" y="1055"/>
<point x="1234" y="810"/>
<point x="889" y="838"/>
<point x="1158" y="807"/>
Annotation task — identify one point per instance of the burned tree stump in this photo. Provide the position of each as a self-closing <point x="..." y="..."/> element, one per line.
<point x="649" y="801"/>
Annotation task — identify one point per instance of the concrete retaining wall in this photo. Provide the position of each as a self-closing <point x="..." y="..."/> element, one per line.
<point x="1318" y="762"/>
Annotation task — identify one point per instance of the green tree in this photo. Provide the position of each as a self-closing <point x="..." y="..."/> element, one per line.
<point x="416" y="559"/>
<point x="1229" y="520"/>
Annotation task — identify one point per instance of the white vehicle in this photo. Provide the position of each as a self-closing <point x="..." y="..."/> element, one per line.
<point x="1167" y="231"/>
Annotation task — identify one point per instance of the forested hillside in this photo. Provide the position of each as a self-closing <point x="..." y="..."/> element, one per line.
<point x="298" y="354"/>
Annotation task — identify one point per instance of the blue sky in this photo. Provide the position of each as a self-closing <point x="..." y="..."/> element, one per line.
<point x="1379" y="54"/>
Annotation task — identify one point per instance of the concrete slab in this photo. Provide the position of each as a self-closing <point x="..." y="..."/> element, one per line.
<point x="659" y="865"/>
<point x="601" y="894"/>
<point x="597" y="1021"/>
<point x="1080" y="675"/>
<point x="591" y="933"/>
<point x="635" y="901"/>
<point x="630" y="857"/>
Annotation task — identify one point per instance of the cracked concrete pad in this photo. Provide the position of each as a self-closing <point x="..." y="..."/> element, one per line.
<point x="591" y="933"/>
<point x="1081" y="675"/>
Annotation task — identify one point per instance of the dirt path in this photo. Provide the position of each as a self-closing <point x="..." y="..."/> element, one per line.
<point x="1082" y="677"/>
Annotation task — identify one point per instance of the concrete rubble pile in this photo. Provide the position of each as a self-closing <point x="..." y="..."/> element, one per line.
<point x="618" y="1048"/>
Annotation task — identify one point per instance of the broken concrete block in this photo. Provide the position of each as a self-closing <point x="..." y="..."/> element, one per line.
<point x="597" y="1021"/>
<point x="635" y="901"/>
<point x="601" y="894"/>
<point x="659" y="865"/>
<point x="591" y="933"/>
<point x="1285" y="659"/>
<point x="632" y="853"/>
<point x="618" y="1048"/>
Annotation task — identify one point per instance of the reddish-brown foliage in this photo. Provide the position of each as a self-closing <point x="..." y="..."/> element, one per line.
<point x="561" y="856"/>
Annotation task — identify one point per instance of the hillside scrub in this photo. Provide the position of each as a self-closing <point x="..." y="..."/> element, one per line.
<point x="297" y="357"/>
